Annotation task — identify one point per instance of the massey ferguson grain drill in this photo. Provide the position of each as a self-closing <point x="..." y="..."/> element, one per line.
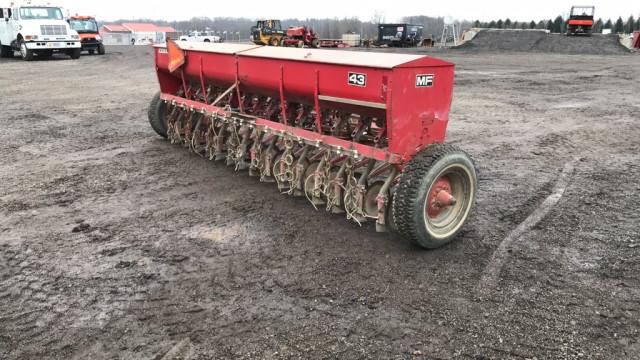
<point x="358" y="133"/>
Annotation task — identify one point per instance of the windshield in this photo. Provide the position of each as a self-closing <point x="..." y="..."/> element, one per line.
<point x="84" y="26"/>
<point x="47" y="13"/>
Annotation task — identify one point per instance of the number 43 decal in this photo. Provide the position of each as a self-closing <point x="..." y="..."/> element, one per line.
<point x="357" y="79"/>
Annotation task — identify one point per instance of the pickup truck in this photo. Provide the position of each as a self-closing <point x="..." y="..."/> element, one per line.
<point x="201" y="36"/>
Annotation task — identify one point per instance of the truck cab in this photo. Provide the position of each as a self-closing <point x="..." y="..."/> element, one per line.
<point x="90" y="38"/>
<point x="36" y="30"/>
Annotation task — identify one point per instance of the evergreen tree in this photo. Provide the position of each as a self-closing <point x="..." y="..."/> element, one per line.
<point x="507" y="24"/>
<point x="608" y="24"/>
<point x="515" y="25"/>
<point x="492" y="25"/>
<point x="558" y="25"/>
<point x="597" y="27"/>
<point x="630" y="25"/>
<point x="618" y="28"/>
<point x="550" y="25"/>
<point x="500" y="24"/>
<point x="637" y="27"/>
<point x="476" y="23"/>
<point x="541" y="25"/>
<point x="532" y="25"/>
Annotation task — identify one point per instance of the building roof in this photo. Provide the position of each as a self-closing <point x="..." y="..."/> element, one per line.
<point x="165" y="29"/>
<point x="115" y="28"/>
<point x="147" y="27"/>
<point x="137" y="27"/>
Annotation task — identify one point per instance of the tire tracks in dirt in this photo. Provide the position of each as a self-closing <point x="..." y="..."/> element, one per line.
<point x="491" y="273"/>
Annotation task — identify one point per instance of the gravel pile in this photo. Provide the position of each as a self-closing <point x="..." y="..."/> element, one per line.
<point x="540" y="41"/>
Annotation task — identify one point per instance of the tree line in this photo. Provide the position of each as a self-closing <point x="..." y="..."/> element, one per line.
<point x="240" y="28"/>
<point x="559" y="25"/>
<point x="231" y="28"/>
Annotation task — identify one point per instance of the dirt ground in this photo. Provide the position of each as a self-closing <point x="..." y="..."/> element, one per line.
<point x="116" y="244"/>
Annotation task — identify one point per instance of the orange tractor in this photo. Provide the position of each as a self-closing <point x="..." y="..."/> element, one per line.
<point x="90" y="38"/>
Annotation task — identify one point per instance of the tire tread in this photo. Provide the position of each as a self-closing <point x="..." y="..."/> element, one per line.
<point x="406" y="195"/>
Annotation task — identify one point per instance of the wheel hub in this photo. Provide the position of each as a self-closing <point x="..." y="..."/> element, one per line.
<point x="440" y="198"/>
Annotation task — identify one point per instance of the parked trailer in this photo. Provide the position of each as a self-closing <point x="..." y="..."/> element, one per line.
<point x="333" y="43"/>
<point x="356" y="133"/>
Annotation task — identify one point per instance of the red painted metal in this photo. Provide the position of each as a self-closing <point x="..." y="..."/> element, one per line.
<point x="416" y="112"/>
<point x="578" y="22"/>
<point x="636" y="39"/>
<point x="297" y="34"/>
<point x="440" y="198"/>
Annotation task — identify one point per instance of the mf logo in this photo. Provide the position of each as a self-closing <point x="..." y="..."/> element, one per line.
<point x="424" y="80"/>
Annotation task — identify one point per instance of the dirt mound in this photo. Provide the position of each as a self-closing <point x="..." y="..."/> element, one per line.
<point x="540" y="41"/>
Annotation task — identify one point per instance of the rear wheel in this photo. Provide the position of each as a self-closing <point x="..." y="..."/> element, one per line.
<point x="6" y="51"/>
<point x="101" y="49"/>
<point x="434" y="198"/>
<point x="315" y="43"/>
<point x="158" y="115"/>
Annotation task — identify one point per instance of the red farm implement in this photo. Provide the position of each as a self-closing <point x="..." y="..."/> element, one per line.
<point x="356" y="133"/>
<point x="300" y="36"/>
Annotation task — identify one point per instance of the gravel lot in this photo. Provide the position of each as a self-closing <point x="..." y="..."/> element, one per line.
<point x="116" y="244"/>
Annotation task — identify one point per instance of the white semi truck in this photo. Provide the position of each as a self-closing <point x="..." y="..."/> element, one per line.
<point x="36" y="30"/>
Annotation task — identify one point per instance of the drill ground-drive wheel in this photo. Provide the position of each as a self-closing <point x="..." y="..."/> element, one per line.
<point x="158" y="115"/>
<point x="435" y="195"/>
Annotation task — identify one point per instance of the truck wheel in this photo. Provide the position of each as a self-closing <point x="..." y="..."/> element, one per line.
<point x="101" y="50"/>
<point x="75" y="53"/>
<point x="315" y="43"/>
<point x="25" y="53"/>
<point x="158" y="115"/>
<point x="274" y="41"/>
<point x="6" y="51"/>
<point x="207" y="40"/>
<point x="435" y="195"/>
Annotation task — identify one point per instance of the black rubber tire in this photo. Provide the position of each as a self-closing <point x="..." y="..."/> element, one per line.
<point x="422" y="171"/>
<point x="6" y="51"/>
<point x="101" y="50"/>
<point x="158" y="115"/>
<point x="27" y="55"/>
<point x="75" y="53"/>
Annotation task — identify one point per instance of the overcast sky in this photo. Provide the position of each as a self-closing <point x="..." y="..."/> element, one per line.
<point x="392" y="10"/>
